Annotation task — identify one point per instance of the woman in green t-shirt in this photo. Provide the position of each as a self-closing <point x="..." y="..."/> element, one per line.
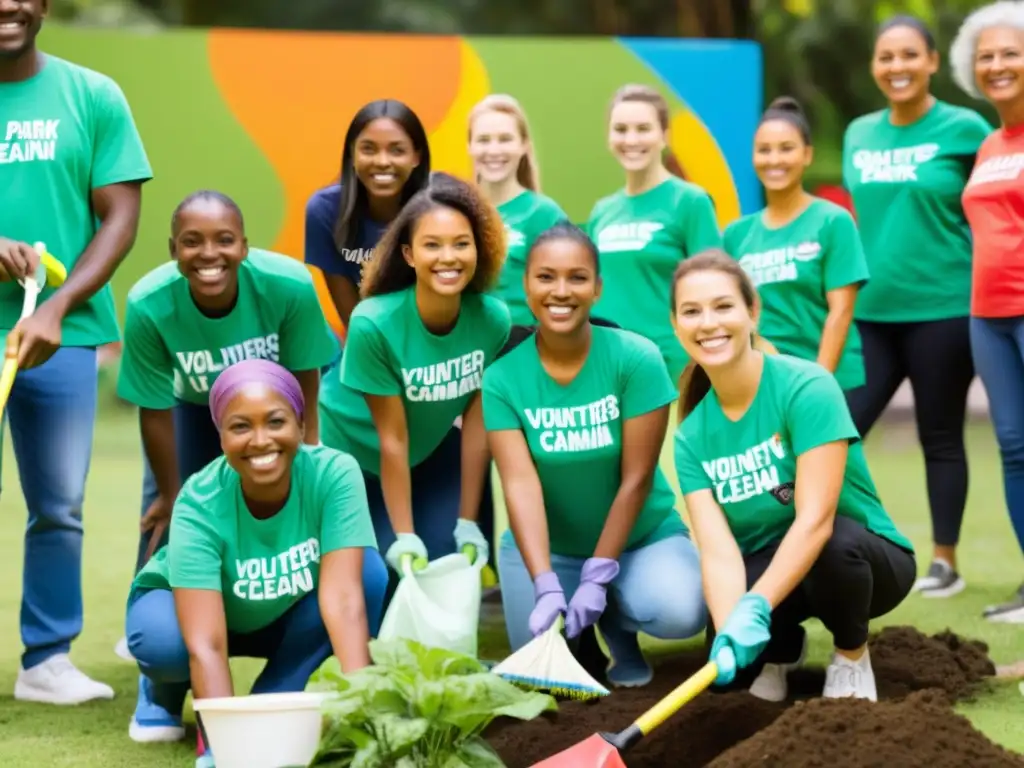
<point x="271" y="555"/>
<point x="784" y="510"/>
<point x="906" y="167"/>
<point x="507" y="173"/>
<point x="417" y="347"/>
<point x="576" y="417"/>
<point x="802" y="253"/>
<point x="647" y="227"/>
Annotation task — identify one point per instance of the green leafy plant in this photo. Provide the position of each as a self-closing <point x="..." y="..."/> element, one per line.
<point x="417" y="707"/>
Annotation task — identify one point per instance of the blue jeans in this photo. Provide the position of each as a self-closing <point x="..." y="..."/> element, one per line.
<point x="658" y="591"/>
<point x="294" y="646"/>
<point x="997" y="345"/>
<point x="197" y="443"/>
<point x="436" y="494"/>
<point x="52" y="412"/>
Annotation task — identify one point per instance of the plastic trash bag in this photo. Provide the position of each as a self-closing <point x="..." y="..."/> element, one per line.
<point x="438" y="606"/>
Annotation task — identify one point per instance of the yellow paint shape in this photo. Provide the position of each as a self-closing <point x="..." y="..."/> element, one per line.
<point x="698" y="152"/>
<point x="448" y="142"/>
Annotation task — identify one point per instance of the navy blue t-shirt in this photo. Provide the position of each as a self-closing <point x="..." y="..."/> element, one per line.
<point x="321" y="215"/>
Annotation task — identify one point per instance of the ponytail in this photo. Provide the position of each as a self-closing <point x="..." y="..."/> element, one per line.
<point x="694" y="383"/>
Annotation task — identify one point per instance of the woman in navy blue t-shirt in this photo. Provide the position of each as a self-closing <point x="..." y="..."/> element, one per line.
<point x="385" y="161"/>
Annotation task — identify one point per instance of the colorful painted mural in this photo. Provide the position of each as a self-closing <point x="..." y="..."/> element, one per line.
<point x="261" y="115"/>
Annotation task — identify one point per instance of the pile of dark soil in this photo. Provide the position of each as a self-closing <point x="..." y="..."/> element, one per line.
<point x="724" y="725"/>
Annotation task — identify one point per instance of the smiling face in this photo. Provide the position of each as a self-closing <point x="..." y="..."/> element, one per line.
<point x="780" y="155"/>
<point x="496" y="146"/>
<point x="20" y="22"/>
<point x="635" y="135"/>
<point x="208" y="243"/>
<point x="384" y="157"/>
<point x="561" y="285"/>
<point x="712" y="318"/>
<point x="999" y="65"/>
<point x="260" y="435"/>
<point x="902" y="65"/>
<point x="442" y="251"/>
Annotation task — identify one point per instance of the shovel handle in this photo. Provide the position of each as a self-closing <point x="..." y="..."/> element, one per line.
<point x="677" y="699"/>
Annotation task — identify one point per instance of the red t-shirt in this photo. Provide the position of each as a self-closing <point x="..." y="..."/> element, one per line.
<point x="993" y="201"/>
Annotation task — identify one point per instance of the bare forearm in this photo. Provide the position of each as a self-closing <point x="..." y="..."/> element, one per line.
<point x="98" y="262"/>
<point x="310" y="383"/>
<point x="396" y="485"/>
<point x="622" y="517"/>
<point x="211" y="675"/>
<point x="725" y="582"/>
<point x="833" y="338"/>
<point x="529" y="524"/>
<point x="347" y="626"/>
<point x="797" y="553"/>
<point x="475" y="464"/>
<point x="157" y="428"/>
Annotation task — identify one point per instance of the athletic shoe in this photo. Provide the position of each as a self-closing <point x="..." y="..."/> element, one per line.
<point x="772" y="684"/>
<point x="121" y="649"/>
<point x="845" y="678"/>
<point x="940" y="581"/>
<point x="1011" y="612"/>
<point x="151" y="723"/>
<point x="58" y="681"/>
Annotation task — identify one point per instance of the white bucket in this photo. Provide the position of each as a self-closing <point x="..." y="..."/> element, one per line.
<point x="267" y="730"/>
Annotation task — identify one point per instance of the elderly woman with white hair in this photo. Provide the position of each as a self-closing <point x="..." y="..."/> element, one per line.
<point x="988" y="62"/>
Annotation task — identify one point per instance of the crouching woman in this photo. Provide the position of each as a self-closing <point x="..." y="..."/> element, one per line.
<point x="576" y="416"/>
<point x="272" y="555"/>
<point x="785" y="513"/>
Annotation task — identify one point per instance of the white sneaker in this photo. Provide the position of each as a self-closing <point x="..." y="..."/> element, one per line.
<point x="58" y="681"/>
<point x="845" y="678"/>
<point x="772" y="684"/>
<point x="121" y="649"/>
<point x="940" y="581"/>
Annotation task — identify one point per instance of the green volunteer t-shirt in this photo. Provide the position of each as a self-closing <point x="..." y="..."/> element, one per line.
<point x="389" y="352"/>
<point x="906" y="183"/>
<point x="172" y="351"/>
<point x="794" y="267"/>
<point x="575" y="434"/>
<point x="66" y="131"/>
<point x="750" y="464"/>
<point x="642" y="238"/>
<point x="261" y="567"/>
<point x="525" y="216"/>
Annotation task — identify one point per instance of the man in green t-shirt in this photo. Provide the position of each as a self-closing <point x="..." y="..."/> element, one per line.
<point x="72" y="167"/>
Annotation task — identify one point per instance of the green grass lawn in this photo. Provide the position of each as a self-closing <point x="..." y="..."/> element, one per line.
<point x="96" y="735"/>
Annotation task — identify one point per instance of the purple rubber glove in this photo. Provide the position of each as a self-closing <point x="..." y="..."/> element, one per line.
<point x="591" y="597"/>
<point x="548" y="603"/>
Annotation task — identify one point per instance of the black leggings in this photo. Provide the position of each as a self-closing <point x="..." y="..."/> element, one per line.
<point x="936" y="356"/>
<point x="857" y="577"/>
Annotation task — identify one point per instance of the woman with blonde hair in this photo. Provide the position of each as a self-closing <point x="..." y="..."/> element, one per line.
<point x="505" y="169"/>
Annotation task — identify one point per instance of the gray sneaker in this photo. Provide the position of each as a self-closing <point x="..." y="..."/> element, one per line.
<point x="1011" y="612"/>
<point x="940" y="581"/>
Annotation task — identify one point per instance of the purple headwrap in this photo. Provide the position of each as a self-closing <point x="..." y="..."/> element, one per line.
<point x="235" y="378"/>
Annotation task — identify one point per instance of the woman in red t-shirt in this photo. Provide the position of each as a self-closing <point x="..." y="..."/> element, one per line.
<point x="988" y="62"/>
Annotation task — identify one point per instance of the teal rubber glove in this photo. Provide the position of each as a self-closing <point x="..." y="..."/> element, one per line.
<point x="407" y="544"/>
<point x="468" y="534"/>
<point x="745" y="634"/>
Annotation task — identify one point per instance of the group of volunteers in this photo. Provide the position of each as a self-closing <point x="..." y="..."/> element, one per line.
<point x="288" y="476"/>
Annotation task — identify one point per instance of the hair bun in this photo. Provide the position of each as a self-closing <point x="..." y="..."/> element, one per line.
<point x="786" y="104"/>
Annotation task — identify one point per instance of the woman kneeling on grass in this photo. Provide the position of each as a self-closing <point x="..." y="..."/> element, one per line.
<point x="271" y="555"/>
<point x="576" y="418"/>
<point x="785" y="513"/>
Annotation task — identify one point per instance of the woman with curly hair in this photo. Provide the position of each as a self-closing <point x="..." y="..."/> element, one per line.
<point x="417" y="347"/>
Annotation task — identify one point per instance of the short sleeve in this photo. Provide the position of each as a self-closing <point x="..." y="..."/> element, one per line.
<point x="702" y="230"/>
<point x="118" y="153"/>
<point x="690" y="472"/>
<point x="146" y="374"/>
<point x="365" y="363"/>
<point x="194" y="551"/>
<point x="320" y="249"/>
<point x="817" y="413"/>
<point x="499" y="413"/>
<point x="345" y="518"/>
<point x="307" y="341"/>
<point x="500" y="320"/>
<point x="647" y="385"/>
<point x="548" y="216"/>
<point x="845" y="263"/>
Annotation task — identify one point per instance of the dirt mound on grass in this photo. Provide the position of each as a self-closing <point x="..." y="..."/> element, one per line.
<point x="904" y="660"/>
